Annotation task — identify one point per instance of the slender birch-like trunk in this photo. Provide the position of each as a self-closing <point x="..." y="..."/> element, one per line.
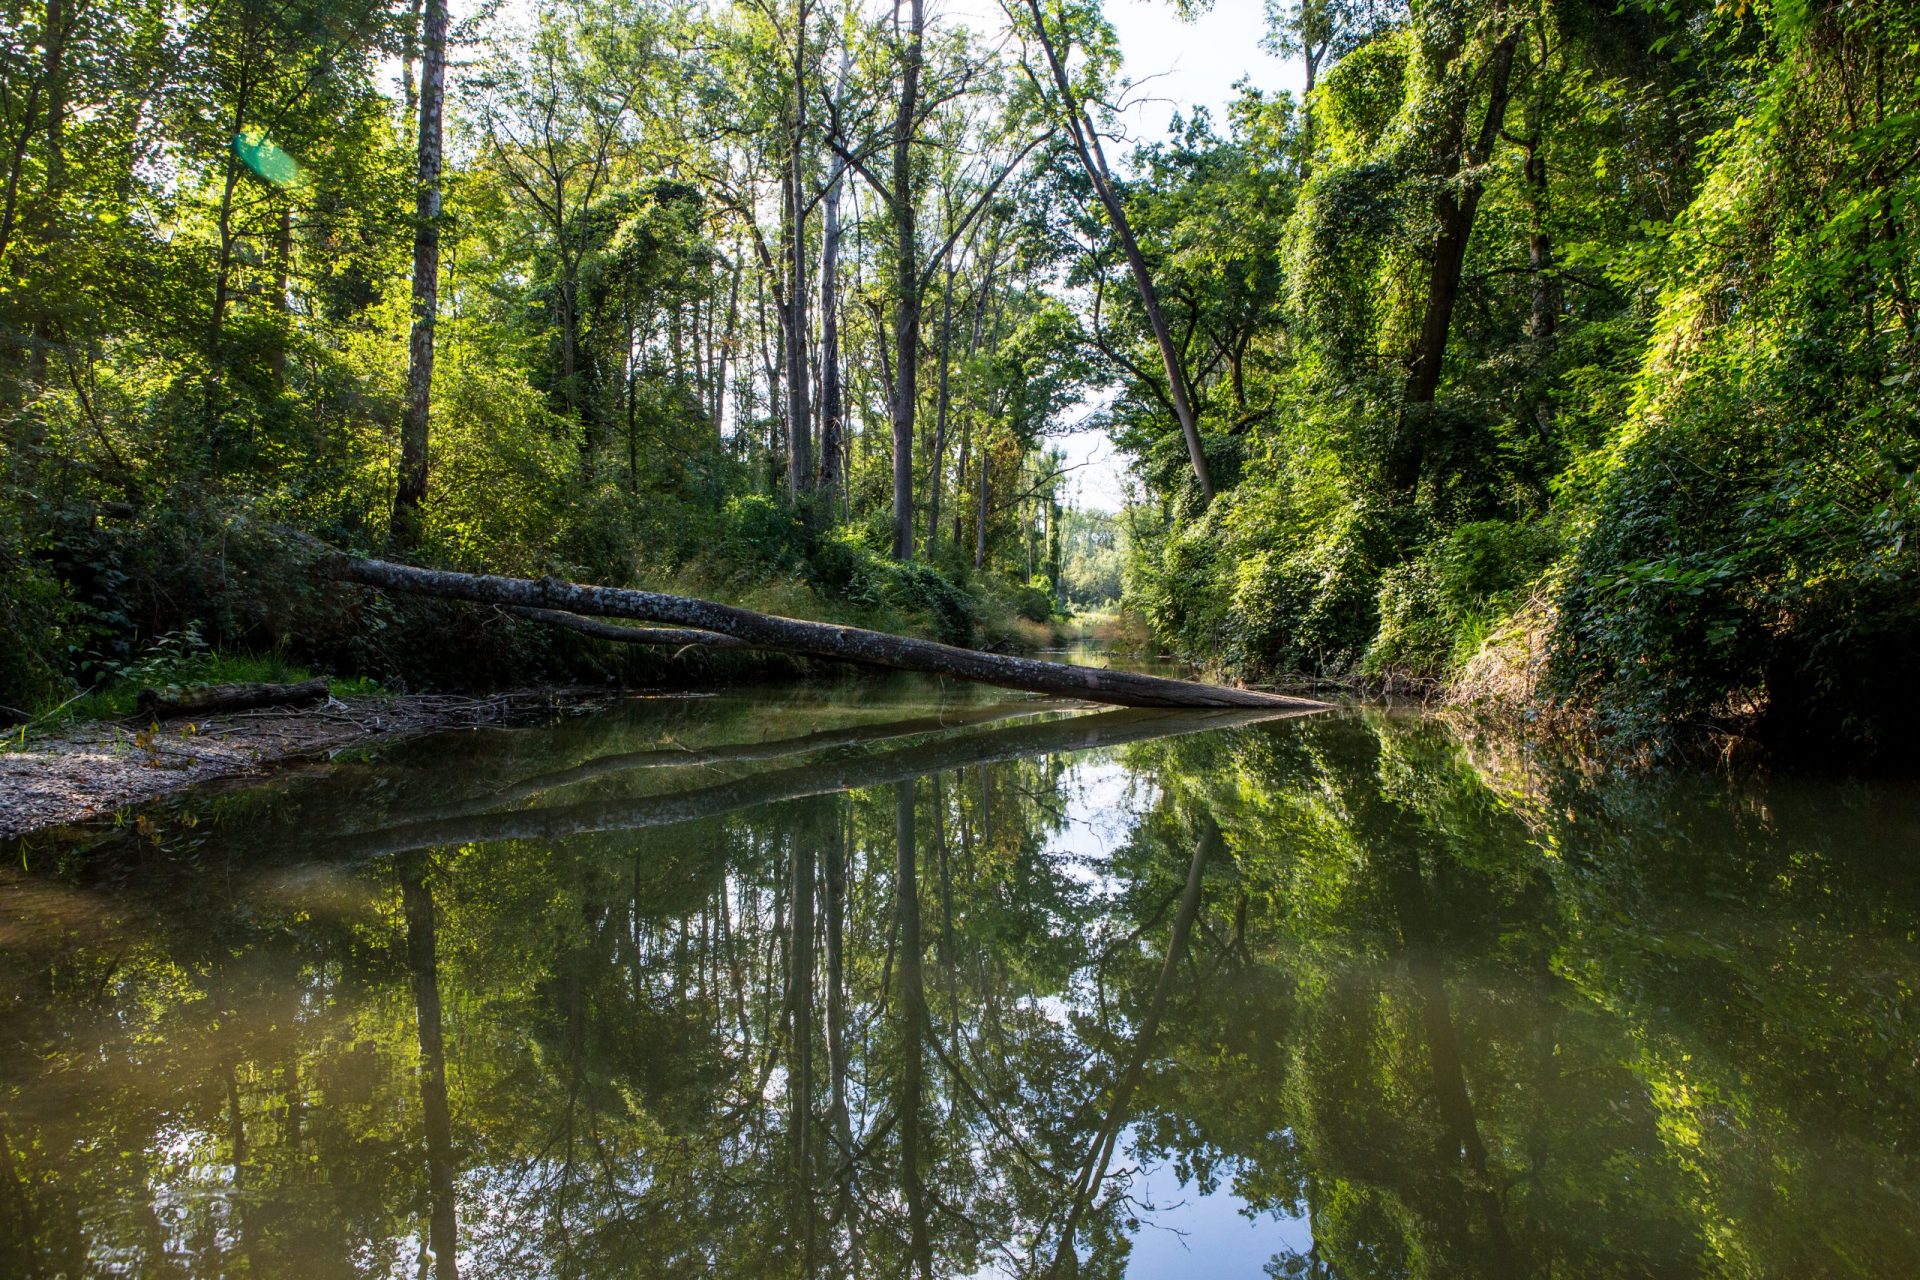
<point x="412" y="488"/>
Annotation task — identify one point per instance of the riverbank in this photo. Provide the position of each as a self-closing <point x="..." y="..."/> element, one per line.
<point x="96" y="769"/>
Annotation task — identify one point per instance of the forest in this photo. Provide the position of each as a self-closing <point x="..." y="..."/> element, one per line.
<point x="1559" y="357"/>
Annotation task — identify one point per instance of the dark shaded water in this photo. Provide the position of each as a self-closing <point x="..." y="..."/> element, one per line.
<point x="811" y="984"/>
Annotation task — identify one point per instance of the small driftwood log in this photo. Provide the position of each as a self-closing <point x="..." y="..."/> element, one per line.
<point x="811" y="639"/>
<point x="212" y="699"/>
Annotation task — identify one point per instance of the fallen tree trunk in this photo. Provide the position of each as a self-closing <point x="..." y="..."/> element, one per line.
<point x="811" y="639"/>
<point x="213" y="699"/>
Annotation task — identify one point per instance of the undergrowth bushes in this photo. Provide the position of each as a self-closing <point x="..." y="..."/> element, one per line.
<point x="187" y="586"/>
<point x="1436" y="609"/>
<point x="848" y="577"/>
<point x="38" y="626"/>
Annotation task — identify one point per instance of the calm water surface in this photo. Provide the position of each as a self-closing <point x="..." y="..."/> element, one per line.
<point x="890" y="981"/>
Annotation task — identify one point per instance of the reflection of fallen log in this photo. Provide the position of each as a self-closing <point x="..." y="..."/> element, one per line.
<point x="632" y="635"/>
<point x="1076" y="733"/>
<point x="738" y="753"/>
<point x="213" y="699"/>
<point x="811" y="639"/>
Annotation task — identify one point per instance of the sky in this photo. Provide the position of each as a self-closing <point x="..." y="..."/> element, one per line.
<point x="1196" y="63"/>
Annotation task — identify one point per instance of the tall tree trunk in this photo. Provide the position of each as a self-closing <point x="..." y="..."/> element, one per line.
<point x="1310" y="54"/>
<point x="223" y="227"/>
<point x="725" y="356"/>
<point x="409" y="55"/>
<point x="1455" y="214"/>
<point x="832" y="393"/>
<point x="1093" y="159"/>
<point x="676" y="342"/>
<point x="282" y="278"/>
<point x="214" y="378"/>
<point x="631" y="389"/>
<point x="775" y="360"/>
<point x="906" y="322"/>
<point x="799" y="392"/>
<point x="16" y="169"/>
<point x="412" y="489"/>
<point x="985" y="464"/>
<point x="961" y="472"/>
<point x="1544" y="318"/>
<point x="1026" y="507"/>
<point x="55" y="41"/>
<point x="1053" y="542"/>
<point x="832" y="388"/>
<point x="967" y="451"/>
<point x="570" y="353"/>
<point x="12" y="388"/>
<point x="936" y="482"/>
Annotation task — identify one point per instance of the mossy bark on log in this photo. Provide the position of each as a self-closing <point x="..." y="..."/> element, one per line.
<point x="812" y="639"/>
<point x="214" y="699"/>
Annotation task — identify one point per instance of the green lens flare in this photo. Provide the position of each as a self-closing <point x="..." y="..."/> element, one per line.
<point x="264" y="156"/>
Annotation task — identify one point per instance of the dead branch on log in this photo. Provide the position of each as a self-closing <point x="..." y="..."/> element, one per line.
<point x="213" y="699"/>
<point x="812" y="639"/>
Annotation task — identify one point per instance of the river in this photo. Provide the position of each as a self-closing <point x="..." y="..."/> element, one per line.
<point x="890" y="980"/>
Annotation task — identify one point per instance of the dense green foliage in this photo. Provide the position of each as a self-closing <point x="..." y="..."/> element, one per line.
<point x="204" y="314"/>
<point x="1563" y="350"/>
<point x="1666" y="479"/>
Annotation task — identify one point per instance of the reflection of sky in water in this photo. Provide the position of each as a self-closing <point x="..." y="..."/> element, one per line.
<point x="1101" y="801"/>
<point x="1194" y="1235"/>
<point x="1205" y="1235"/>
<point x="1186" y="1233"/>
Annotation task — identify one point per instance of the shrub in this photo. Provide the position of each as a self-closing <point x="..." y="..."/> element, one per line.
<point x="764" y="537"/>
<point x="1417" y="631"/>
<point x="1034" y="601"/>
<point x="1484" y="561"/>
<point x="921" y="593"/>
<point x="1749" y="565"/>
<point x="1311" y="609"/>
<point x="38" y="627"/>
<point x="1435" y="610"/>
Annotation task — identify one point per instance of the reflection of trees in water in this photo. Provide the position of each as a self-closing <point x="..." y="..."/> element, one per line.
<point x="423" y="970"/>
<point x="882" y="1032"/>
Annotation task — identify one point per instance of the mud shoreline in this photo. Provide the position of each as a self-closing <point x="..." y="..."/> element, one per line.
<point x="93" y="771"/>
